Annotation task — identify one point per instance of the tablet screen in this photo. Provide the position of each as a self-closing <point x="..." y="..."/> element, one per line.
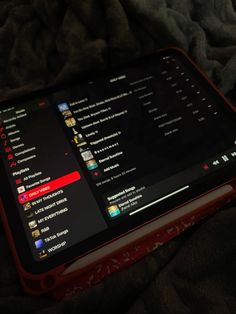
<point x="91" y="161"/>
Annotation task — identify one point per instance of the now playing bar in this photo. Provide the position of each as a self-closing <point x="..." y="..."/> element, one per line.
<point x="222" y="159"/>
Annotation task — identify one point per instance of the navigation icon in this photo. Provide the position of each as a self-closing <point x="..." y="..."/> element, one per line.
<point x="3" y="136"/>
<point x="10" y="156"/>
<point x="225" y="158"/>
<point x="18" y="181"/>
<point x="8" y="150"/>
<point x="12" y="164"/>
<point x="215" y="163"/>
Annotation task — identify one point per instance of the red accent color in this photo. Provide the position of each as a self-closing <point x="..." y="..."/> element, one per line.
<point x="205" y="166"/>
<point x="10" y="157"/>
<point x="18" y="181"/>
<point x="49" y="187"/>
<point x="3" y="136"/>
<point x="8" y="150"/>
<point x="42" y="104"/>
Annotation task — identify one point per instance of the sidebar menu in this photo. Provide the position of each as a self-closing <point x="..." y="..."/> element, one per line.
<point x="55" y="203"/>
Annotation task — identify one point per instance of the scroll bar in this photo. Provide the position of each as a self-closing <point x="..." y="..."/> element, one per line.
<point x="159" y="200"/>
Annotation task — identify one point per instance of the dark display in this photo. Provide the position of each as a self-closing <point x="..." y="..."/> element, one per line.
<point x="89" y="162"/>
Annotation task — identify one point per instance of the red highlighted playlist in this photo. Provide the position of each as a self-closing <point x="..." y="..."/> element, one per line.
<point x="49" y="187"/>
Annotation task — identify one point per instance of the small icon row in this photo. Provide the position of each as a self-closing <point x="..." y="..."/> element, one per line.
<point x="6" y="146"/>
<point x="223" y="159"/>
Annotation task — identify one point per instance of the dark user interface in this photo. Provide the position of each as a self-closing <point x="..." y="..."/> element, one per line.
<point x="82" y="160"/>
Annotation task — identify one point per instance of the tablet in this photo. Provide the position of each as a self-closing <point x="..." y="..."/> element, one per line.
<point x="88" y="162"/>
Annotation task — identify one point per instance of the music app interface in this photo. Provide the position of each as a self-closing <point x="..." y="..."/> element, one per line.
<point x="86" y="158"/>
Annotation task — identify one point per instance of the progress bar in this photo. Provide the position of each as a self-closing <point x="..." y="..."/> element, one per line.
<point x="159" y="200"/>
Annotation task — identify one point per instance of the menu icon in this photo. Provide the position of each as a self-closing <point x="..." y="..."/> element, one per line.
<point x="5" y="143"/>
<point x="8" y="150"/>
<point x="215" y="163"/>
<point x="10" y="156"/>
<point x="225" y="158"/>
<point x="18" y="181"/>
<point x="3" y="136"/>
<point x="12" y="164"/>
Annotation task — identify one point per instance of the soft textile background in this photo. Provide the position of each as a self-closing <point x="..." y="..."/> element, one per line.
<point x="48" y="41"/>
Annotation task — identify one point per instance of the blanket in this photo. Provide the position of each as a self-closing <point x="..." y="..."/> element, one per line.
<point x="45" y="42"/>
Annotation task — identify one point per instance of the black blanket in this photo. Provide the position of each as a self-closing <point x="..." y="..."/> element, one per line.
<point x="48" y="41"/>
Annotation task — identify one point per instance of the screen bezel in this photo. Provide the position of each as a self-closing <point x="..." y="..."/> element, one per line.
<point x="211" y="181"/>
